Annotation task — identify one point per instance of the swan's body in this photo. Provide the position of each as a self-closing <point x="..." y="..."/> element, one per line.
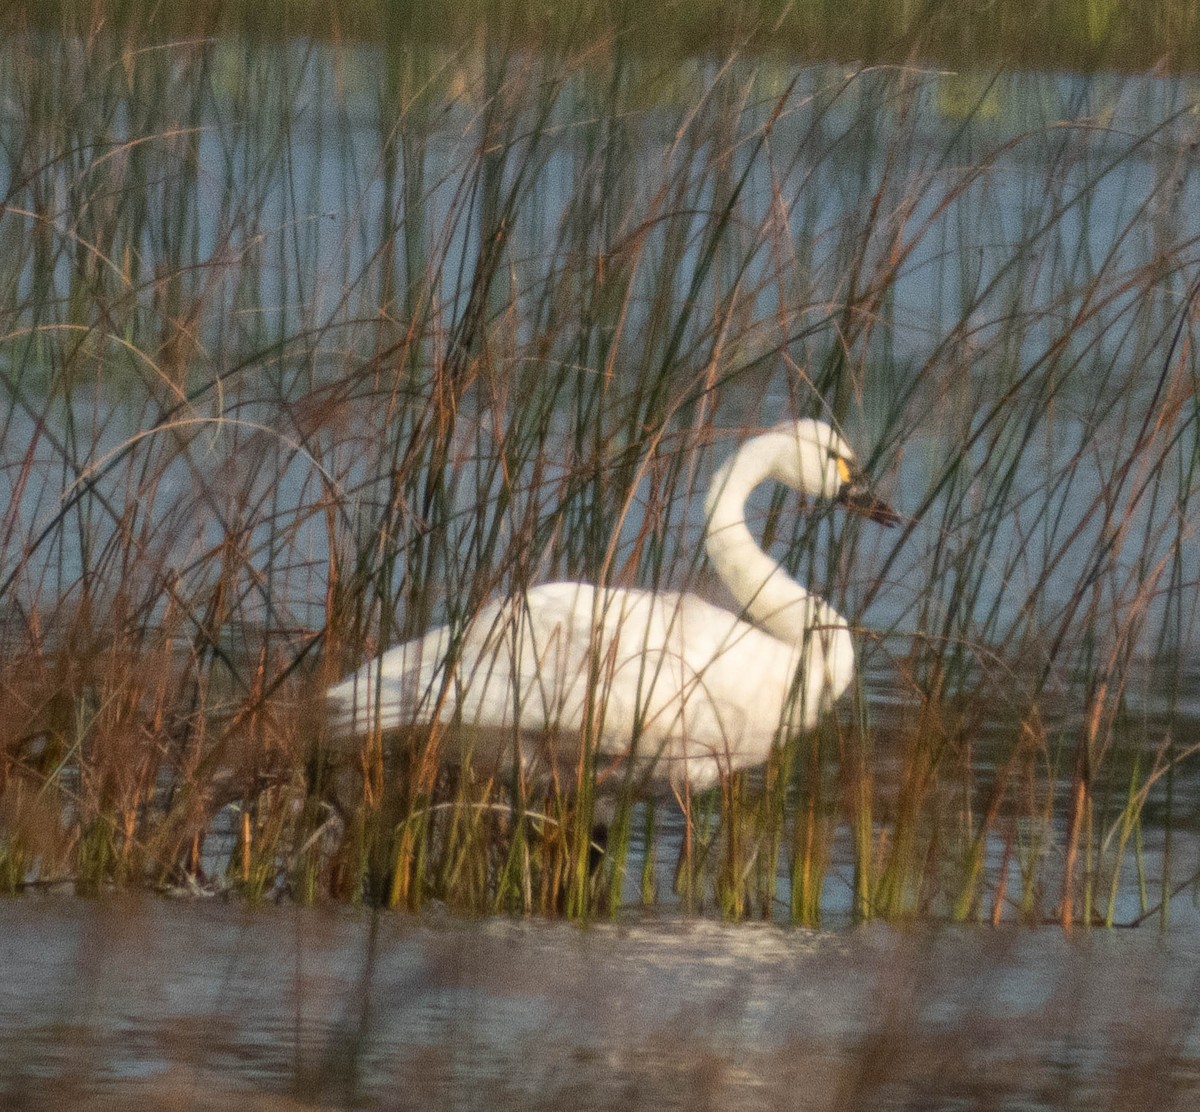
<point x="685" y="690"/>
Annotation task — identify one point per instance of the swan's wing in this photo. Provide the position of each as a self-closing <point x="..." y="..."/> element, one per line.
<point x="516" y="664"/>
<point x="664" y="678"/>
<point x="708" y="689"/>
<point x="723" y="692"/>
<point x="398" y="689"/>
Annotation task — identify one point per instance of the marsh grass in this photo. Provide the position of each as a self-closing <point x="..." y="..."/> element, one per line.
<point x="1090" y="35"/>
<point x="306" y="349"/>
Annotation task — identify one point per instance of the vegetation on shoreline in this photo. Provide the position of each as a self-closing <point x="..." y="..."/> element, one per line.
<point x="300" y="354"/>
<point x="1086" y="35"/>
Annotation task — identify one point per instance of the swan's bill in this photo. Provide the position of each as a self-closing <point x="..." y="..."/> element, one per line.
<point x="858" y="495"/>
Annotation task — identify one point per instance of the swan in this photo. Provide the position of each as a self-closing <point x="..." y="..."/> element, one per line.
<point x="684" y="690"/>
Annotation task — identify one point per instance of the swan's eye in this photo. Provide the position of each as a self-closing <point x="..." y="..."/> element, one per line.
<point x="843" y="470"/>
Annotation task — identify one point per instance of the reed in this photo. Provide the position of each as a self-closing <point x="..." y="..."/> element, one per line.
<point x="1091" y="35"/>
<point x="308" y="347"/>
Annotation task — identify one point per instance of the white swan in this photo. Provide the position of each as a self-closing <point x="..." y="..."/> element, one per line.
<point x="684" y="689"/>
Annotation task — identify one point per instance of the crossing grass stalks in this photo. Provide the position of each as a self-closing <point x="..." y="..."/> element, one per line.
<point x="1081" y="35"/>
<point x="304" y="349"/>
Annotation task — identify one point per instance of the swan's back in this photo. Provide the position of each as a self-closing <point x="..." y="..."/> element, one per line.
<point x="687" y="689"/>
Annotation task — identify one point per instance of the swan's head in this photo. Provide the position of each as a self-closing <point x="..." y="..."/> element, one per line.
<point x="814" y="458"/>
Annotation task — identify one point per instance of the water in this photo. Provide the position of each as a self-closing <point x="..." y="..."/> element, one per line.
<point x="288" y="192"/>
<point x="1069" y="254"/>
<point x="1081" y="228"/>
<point x="1043" y="247"/>
<point x="1097" y="203"/>
<point x="144" y="1003"/>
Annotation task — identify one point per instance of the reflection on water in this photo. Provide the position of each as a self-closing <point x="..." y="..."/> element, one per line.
<point x="155" y="1004"/>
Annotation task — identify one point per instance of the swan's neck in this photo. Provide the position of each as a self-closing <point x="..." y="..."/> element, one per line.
<point x="769" y="596"/>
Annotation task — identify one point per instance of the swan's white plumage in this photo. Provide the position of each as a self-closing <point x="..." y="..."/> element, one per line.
<point x="686" y="690"/>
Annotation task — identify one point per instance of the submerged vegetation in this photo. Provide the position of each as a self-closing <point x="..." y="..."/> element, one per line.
<point x="305" y="348"/>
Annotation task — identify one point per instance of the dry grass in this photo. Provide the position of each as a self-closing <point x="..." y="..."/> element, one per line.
<point x="305" y="348"/>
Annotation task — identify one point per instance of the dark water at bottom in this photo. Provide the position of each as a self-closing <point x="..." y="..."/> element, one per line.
<point x="145" y="1003"/>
